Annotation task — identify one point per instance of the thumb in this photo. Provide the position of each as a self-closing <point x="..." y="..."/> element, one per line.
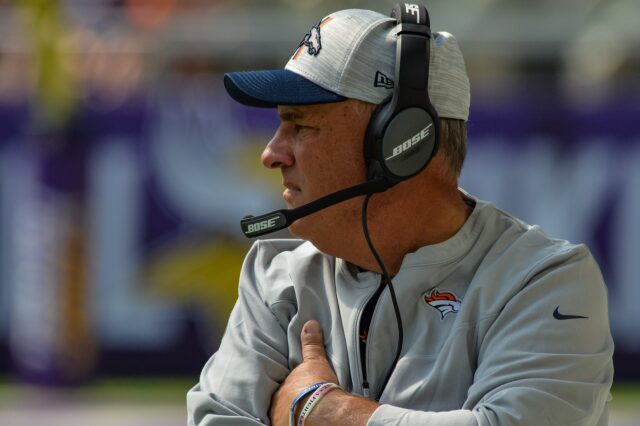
<point x="312" y="341"/>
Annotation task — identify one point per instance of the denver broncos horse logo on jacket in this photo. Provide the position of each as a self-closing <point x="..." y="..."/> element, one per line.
<point x="445" y="302"/>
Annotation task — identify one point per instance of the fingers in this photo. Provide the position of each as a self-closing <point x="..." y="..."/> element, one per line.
<point x="312" y="341"/>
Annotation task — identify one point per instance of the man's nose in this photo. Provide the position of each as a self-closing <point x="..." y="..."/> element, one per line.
<point x="277" y="153"/>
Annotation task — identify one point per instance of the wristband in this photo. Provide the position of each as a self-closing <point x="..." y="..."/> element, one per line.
<point x="302" y="394"/>
<point x="314" y="399"/>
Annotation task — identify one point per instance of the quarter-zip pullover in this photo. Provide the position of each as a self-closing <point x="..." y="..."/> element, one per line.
<point x="482" y="345"/>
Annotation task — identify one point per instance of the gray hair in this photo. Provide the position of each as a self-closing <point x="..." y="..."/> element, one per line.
<point x="453" y="143"/>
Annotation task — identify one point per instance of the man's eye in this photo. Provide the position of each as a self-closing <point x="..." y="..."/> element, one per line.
<point x="299" y="128"/>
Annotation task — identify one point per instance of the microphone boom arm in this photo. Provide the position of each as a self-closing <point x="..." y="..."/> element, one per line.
<point x="255" y="226"/>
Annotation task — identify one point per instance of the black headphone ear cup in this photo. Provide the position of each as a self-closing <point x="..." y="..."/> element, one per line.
<point x="408" y="143"/>
<point x="400" y="146"/>
<point x="373" y="140"/>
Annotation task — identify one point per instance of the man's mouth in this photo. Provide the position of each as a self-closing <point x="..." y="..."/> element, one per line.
<point x="291" y="186"/>
<point x="290" y="192"/>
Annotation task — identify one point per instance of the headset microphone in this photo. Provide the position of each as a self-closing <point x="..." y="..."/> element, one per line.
<point x="254" y="226"/>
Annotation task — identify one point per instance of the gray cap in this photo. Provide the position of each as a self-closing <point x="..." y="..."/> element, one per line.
<point x="351" y="54"/>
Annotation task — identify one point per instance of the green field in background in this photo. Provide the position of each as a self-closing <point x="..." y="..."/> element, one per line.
<point x="112" y="390"/>
<point x="626" y="396"/>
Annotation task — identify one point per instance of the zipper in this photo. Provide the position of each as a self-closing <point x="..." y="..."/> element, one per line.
<point x="363" y="335"/>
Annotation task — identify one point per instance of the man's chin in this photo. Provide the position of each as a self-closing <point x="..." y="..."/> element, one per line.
<point x="308" y="228"/>
<point x="323" y="224"/>
<point x="297" y="228"/>
<point x="292" y="198"/>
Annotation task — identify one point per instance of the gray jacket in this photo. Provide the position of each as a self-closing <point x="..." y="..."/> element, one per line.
<point x="491" y="333"/>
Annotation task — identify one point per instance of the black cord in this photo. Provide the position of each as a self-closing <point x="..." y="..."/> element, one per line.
<point x="387" y="280"/>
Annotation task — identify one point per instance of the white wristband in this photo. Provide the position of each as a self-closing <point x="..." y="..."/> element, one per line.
<point x="306" y="391"/>
<point x="313" y="400"/>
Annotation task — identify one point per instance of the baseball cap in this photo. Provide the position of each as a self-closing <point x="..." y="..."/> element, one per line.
<point x="351" y="54"/>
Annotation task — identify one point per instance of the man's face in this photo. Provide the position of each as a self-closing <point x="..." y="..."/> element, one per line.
<point x="319" y="150"/>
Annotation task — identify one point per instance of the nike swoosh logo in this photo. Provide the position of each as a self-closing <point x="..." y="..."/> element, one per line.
<point x="557" y="315"/>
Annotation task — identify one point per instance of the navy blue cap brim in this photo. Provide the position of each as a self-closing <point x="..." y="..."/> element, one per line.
<point x="269" y="89"/>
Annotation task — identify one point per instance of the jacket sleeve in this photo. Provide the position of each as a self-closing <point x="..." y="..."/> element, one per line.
<point x="238" y="381"/>
<point x="535" y="367"/>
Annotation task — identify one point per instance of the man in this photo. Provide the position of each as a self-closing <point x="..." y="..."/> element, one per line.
<point x="500" y="324"/>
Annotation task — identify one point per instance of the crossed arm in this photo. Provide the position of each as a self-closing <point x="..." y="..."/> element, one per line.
<point x="335" y="408"/>
<point x="528" y="371"/>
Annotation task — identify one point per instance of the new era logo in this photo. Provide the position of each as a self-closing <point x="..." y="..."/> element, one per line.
<point x="382" y="80"/>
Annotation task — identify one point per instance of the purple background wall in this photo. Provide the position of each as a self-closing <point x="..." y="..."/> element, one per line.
<point x="573" y="170"/>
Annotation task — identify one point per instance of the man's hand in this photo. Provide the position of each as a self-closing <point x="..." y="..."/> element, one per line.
<point x="314" y="368"/>
<point x="337" y="407"/>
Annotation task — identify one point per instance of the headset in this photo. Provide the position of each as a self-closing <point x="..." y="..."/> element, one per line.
<point x="402" y="135"/>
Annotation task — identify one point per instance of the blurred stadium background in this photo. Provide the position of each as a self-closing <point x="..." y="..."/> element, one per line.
<point x="124" y="170"/>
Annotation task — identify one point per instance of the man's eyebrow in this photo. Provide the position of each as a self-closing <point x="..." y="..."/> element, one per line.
<point x="290" y="115"/>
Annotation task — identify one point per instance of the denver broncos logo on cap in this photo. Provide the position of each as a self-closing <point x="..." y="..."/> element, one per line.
<point x="311" y="40"/>
<point x="445" y="302"/>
